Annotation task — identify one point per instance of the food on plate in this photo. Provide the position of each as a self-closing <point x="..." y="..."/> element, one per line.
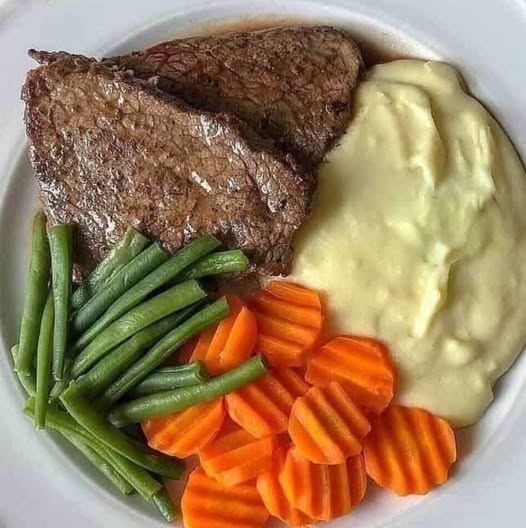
<point x="203" y="155"/>
<point x="293" y="84"/>
<point x="289" y="319"/>
<point x="36" y="296"/>
<point x="409" y="450"/>
<point x="230" y="342"/>
<point x="110" y="150"/>
<point x="418" y="236"/>
<point x="235" y="456"/>
<point x="323" y="491"/>
<point x="263" y="407"/>
<point x="361" y="364"/>
<point x="273" y="496"/>
<point x="326" y="426"/>
<point x="185" y="433"/>
<point x="207" y="503"/>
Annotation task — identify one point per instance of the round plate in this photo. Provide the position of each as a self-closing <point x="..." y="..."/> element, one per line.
<point x="43" y="482"/>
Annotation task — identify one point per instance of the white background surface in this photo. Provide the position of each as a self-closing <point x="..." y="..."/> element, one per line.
<point x="44" y="484"/>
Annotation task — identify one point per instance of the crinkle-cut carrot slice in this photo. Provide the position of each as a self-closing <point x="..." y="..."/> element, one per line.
<point x="289" y="320"/>
<point x="290" y="291"/>
<point x="230" y="342"/>
<point x="208" y="504"/>
<point x="185" y="433"/>
<point x="326" y="426"/>
<point x="235" y="456"/>
<point x="263" y="407"/>
<point x="360" y="364"/>
<point x="323" y="491"/>
<point x="272" y="494"/>
<point x="409" y="450"/>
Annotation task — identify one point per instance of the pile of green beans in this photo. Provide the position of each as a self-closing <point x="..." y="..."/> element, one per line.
<point x="108" y="339"/>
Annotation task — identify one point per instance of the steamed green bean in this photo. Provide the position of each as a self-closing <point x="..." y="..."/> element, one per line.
<point x="44" y="356"/>
<point x="143" y="315"/>
<point x="153" y="281"/>
<point x="150" y="259"/>
<point x="36" y="295"/>
<point x="180" y="399"/>
<point x="161" y="350"/>
<point x="125" y="250"/>
<point x="61" y="246"/>
<point x="170" y="378"/>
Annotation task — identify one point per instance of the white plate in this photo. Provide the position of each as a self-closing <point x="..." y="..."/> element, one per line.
<point x="42" y="482"/>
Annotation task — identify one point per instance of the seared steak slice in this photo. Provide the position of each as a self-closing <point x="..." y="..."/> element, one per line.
<point x="110" y="150"/>
<point x="293" y="84"/>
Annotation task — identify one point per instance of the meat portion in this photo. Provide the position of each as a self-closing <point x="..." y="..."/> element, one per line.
<point x="292" y="84"/>
<point x="110" y="150"/>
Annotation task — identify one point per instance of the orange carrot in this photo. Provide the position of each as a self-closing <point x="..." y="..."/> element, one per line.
<point x="289" y="320"/>
<point x="409" y="451"/>
<point x="360" y="364"/>
<point x="235" y="456"/>
<point x="230" y="342"/>
<point x="183" y="434"/>
<point x="263" y="407"/>
<point x="323" y="491"/>
<point x="326" y="426"/>
<point x="272" y="494"/>
<point x="208" y="504"/>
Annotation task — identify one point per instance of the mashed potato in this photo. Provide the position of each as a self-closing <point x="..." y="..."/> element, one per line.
<point x="418" y="236"/>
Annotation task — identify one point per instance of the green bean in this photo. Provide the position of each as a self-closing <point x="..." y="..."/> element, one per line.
<point x="180" y="399"/>
<point x="125" y="250"/>
<point x="36" y="295"/>
<point x="153" y="281"/>
<point x="150" y="259"/>
<point x="61" y="245"/>
<point x="165" y="505"/>
<point x="28" y="382"/>
<point x="161" y="350"/>
<point x="233" y="261"/>
<point x="140" y="479"/>
<point x="60" y="386"/>
<point x="136" y="319"/>
<point x="44" y="355"/>
<point x="170" y="378"/>
<point x="92" y="421"/>
<point x="99" y="462"/>
<point x="118" y="360"/>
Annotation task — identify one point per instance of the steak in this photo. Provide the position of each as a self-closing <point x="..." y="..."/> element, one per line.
<point x="292" y="84"/>
<point x="110" y="150"/>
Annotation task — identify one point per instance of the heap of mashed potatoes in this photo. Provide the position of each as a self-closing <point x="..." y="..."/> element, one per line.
<point x="418" y="236"/>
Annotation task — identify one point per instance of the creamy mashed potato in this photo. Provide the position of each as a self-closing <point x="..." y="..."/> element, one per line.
<point x="418" y="236"/>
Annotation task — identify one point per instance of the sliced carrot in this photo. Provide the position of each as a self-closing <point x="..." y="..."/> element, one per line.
<point x="409" y="450"/>
<point x="360" y="364"/>
<point x="183" y="434"/>
<point x="263" y="407"/>
<point x="291" y="291"/>
<point x="326" y="426"/>
<point x="289" y="320"/>
<point x="230" y="342"/>
<point x="208" y="504"/>
<point x="323" y="491"/>
<point x="272" y="494"/>
<point x="235" y="456"/>
<point x="203" y="344"/>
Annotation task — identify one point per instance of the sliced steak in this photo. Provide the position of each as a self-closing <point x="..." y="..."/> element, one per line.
<point x="110" y="150"/>
<point x="293" y="84"/>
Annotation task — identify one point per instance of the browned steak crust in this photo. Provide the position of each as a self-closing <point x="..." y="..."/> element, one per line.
<point x="110" y="150"/>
